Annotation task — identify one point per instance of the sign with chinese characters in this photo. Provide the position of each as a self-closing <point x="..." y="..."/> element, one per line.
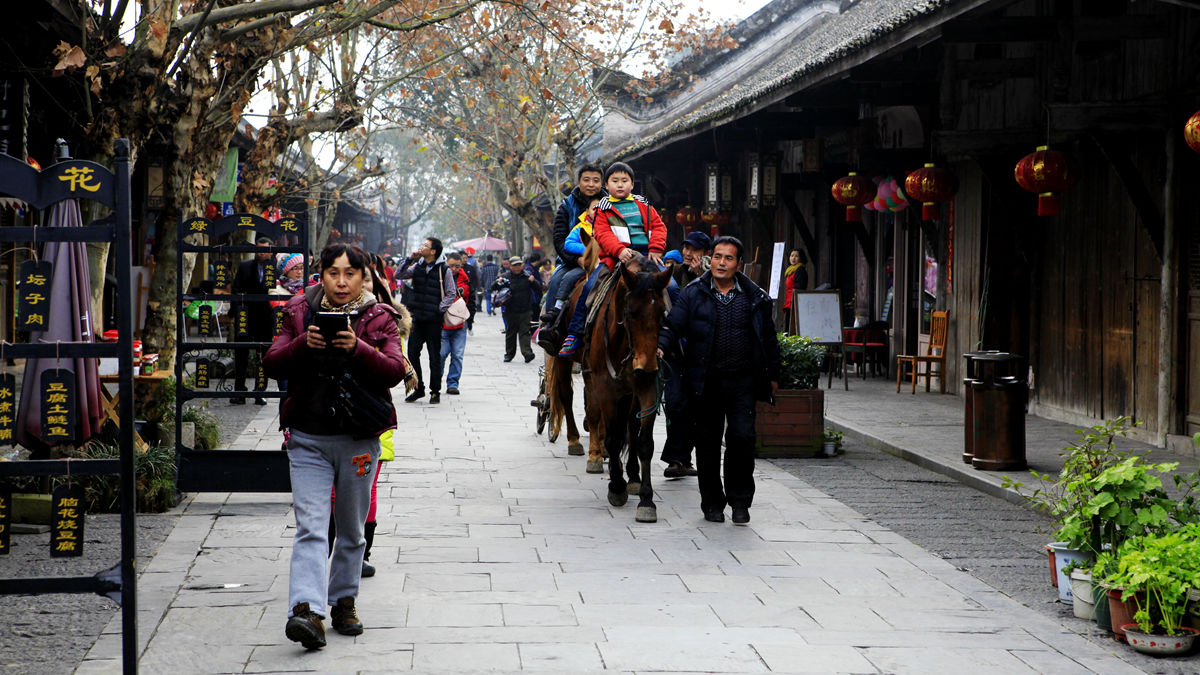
<point x="33" y="294"/>
<point x="8" y="409"/>
<point x="242" y="318"/>
<point x="58" y="405"/>
<point x="80" y="178"/>
<point x="205" y="320"/>
<point x="260" y="379"/>
<point x="203" y="368"/>
<point x="220" y="274"/>
<point x="269" y="275"/>
<point x="5" y="520"/>
<point x="278" y="319"/>
<point x="67" y="515"/>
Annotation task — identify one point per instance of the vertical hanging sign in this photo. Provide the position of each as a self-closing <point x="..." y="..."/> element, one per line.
<point x="220" y="274"/>
<point x="278" y="319"/>
<point x="33" y="294"/>
<point x="269" y="275"/>
<point x="205" y="320"/>
<point x="58" y="405"/>
<point x="67" y="516"/>
<point x="202" y="371"/>
<point x="8" y="409"/>
<point x="243" y="321"/>
<point x="260" y="381"/>
<point x="5" y="520"/>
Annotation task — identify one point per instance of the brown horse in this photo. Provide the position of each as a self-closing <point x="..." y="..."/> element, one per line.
<point x="621" y="379"/>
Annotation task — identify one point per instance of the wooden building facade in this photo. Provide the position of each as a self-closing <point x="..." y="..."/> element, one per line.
<point x="1102" y="299"/>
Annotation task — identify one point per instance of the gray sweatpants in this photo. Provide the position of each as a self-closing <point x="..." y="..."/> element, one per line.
<point x="318" y="465"/>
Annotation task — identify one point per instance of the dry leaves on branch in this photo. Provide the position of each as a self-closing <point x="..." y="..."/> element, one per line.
<point x="69" y="58"/>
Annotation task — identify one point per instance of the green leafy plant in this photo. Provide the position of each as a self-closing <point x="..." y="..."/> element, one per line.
<point x="154" y="479"/>
<point x="1157" y="571"/>
<point x="799" y="362"/>
<point x="835" y="437"/>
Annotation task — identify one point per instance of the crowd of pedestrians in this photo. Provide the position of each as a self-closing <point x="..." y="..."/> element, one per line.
<point x="341" y="348"/>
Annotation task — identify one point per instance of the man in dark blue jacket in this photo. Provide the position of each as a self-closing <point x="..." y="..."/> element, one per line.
<point x="730" y="360"/>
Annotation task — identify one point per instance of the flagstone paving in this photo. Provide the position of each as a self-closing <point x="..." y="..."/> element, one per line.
<point x="496" y="552"/>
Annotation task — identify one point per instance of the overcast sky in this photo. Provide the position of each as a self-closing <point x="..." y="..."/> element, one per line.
<point x="726" y="10"/>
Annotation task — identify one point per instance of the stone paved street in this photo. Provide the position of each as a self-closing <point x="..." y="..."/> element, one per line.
<point x="498" y="553"/>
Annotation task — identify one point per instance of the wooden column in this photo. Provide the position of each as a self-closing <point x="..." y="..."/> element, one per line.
<point x="1166" y="309"/>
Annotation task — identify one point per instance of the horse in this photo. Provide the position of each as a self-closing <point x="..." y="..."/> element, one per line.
<point x="621" y="378"/>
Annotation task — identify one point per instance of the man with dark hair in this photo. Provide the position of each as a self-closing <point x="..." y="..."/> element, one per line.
<point x="522" y="285"/>
<point x="255" y="276"/>
<point x="487" y="276"/>
<point x="590" y="184"/>
<point x="433" y="289"/>
<point x="730" y="359"/>
<point x="677" y="448"/>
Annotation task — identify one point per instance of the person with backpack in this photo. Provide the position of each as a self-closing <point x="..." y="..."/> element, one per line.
<point x="433" y="289"/>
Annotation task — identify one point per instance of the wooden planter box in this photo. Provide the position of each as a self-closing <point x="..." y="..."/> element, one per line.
<point x="794" y="426"/>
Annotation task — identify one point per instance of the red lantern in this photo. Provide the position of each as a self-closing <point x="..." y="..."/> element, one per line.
<point x="1191" y="132"/>
<point x="212" y="211"/>
<point x="853" y="191"/>
<point x="688" y="216"/>
<point x="1046" y="172"/>
<point x="929" y="186"/>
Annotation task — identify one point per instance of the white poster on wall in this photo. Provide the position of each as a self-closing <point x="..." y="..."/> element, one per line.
<point x="776" y="269"/>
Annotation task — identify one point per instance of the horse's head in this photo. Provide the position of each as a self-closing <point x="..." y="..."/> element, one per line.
<point x="643" y="310"/>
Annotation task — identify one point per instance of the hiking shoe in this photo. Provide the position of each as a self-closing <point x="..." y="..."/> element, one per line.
<point x="570" y="346"/>
<point x="417" y="395"/>
<point x="344" y="618"/>
<point x="368" y="570"/>
<point x="435" y="398"/>
<point x="305" y="627"/>
<point x="453" y="391"/>
<point x="741" y="515"/>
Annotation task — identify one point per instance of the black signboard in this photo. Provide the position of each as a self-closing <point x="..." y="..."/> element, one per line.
<point x="220" y="274"/>
<point x="58" y="405"/>
<point x="8" y="409"/>
<point x="202" y="373"/>
<point x="205" y="320"/>
<point x="33" y="294"/>
<point x="260" y="380"/>
<point x="242" y="322"/>
<point x="67" y="515"/>
<point x="278" y="311"/>
<point x="5" y="520"/>
<point x="269" y="275"/>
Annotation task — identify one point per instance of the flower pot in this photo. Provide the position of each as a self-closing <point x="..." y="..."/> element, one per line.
<point x="1082" y="602"/>
<point x="829" y="448"/>
<point x="1160" y="645"/>
<point x="1100" y="601"/>
<point x="1063" y="556"/>
<point x="1121" y="612"/>
<point x="793" y="427"/>
<point x="1053" y="567"/>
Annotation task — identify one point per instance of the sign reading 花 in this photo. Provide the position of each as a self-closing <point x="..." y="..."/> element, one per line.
<point x="205" y="320"/>
<point x="66" y="521"/>
<point x="8" y="409"/>
<point x="33" y="294"/>
<point x="202" y="370"/>
<point x="5" y="520"/>
<point x="220" y="274"/>
<point x="58" y="405"/>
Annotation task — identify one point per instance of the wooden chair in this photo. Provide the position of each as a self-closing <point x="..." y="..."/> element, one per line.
<point x="854" y="342"/>
<point x="934" y="354"/>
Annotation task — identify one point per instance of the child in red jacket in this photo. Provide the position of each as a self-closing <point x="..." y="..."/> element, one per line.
<point x="624" y="224"/>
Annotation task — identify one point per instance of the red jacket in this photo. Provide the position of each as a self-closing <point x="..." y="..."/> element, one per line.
<point x="464" y="291"/>
<point x="376" y="362"/>
<point x="610" y="246"/>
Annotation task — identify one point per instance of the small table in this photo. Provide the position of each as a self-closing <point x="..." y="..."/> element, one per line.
<point x="111" y="402"/>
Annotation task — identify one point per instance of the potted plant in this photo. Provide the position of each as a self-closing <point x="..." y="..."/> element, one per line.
<point x="1158" y="572"/>
<point x="795" y="425"/>
<point x="832" y="442"/>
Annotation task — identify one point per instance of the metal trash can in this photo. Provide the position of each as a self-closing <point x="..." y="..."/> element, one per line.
<point x="971" y="377"/>
<point x="998" y="414"/>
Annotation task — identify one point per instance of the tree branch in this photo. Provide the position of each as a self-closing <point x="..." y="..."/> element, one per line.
<point x="250" y="10"/>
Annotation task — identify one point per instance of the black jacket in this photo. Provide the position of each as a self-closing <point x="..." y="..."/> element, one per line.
<point x="693" y="319"/>
<point x="473" y="283"/>
<point x="429" y="297"/>
<point x="260" y="319"/>
<point x="523" y="286"/>
<point x="565" y="219"/>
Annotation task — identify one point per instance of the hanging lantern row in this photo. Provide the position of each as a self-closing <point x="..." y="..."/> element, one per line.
<point x="853" y="191"/>
<point x="687" y="217"/>
<point x="1046" y="172"/>
<point x="931" y="185"/>
<point x="1191" y="132"/>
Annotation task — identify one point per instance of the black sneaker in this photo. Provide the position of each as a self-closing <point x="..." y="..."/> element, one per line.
<point x="530" y="357"/>
<point x="715" y="516"/>
<point x="368" y="570"/>
<point x="550" y="315"/>
<point x="453" y="391"/>
<point x="305" y="627"/>
<point x="673" y="470"/>
<point x="344" y="618"/>
<point x="260" y="401"/>
<point x="507" y="359"/>
<point x="435" y="398"/>
<point x="417" y="395"/>
<point x="741" y="515"/>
